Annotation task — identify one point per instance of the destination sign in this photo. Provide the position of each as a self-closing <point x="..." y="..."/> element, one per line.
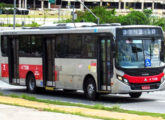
<point x="137" y="32"/>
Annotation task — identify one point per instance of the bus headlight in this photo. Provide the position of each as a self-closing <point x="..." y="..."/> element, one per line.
<point x="122" y="79"/>
<point x="119" y="77"/>
<point x="125" y="81"/>
<point x="162" y="79"/>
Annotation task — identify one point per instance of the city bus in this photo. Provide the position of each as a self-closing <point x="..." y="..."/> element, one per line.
<point x="98" y="59"/>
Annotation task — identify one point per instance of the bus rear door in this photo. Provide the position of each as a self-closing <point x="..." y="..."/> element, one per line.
<point x="49" y="61"/>
<point x="13" y="60"/>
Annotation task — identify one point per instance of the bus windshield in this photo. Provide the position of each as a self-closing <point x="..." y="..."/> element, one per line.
<point x="139" y="53"/>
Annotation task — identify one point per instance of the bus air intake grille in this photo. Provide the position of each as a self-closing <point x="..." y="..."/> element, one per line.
<point x="139" y="86"/>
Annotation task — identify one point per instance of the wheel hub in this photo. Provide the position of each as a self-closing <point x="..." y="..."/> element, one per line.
<point x="31" y="84"/>
<point x="90" y="89"/>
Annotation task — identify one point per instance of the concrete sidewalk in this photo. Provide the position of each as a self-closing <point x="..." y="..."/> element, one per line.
<point x="8" y="112"/>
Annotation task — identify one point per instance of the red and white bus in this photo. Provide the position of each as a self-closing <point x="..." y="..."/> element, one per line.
<point x="95" y="59"/>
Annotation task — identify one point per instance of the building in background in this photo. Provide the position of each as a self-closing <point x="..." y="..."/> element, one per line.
<point x="118" y="4"/>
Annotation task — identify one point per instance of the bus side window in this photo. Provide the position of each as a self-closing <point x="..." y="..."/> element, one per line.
<point x="36" y="46"/>
<point x="4" y="46"/>
<point x="74" y="46"/>
<point x="58" y="47"/>
<point x="30" y="46"/>
<point x="24" y="46"/>
<point x="89" y="46"/>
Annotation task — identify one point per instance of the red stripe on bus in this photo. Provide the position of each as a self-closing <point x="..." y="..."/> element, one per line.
<point x="144" y="79"/>
<point x="93" y="64"/>
<point x="24" y="69"/>
<point x="4" y="70"/>
<point x="36" y="69"/>
<point x="56" y="73"/>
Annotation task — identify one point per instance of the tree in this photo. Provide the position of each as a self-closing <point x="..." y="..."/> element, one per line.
<point x="147" y="12"/>
<point x="134" y="18"/>
<point x="109" y="16"/>
<point x="101" y="12"/>
<point x="159" y="22"/>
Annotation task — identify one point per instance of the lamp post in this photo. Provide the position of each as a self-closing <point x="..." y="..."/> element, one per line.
<point x="14" y="12"/>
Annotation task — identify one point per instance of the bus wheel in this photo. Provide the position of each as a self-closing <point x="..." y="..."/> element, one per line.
<point x="90" y="89"/>
<point x="135" y="95"/>
<point x="31" y="83"/>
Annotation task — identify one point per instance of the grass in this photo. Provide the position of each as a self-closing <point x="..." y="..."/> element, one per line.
<point x="60" y="111"/>
<point x="34" y="24"/>
<point x="1" y="94"/>
<point x="97" y="106"/>
<point x="80" y="114"/>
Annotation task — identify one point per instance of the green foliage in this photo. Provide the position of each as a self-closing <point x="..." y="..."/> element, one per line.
<point x="134" y="18"/>
<point x="1" y="94"/>
<point x="4" y="5"/>
<point x="14" y="95"/>
<point x="99" y="106"/>
<point x="116" y="108"/>
<point x="34" y="24"/>
<point x="32" y="98"/>
<point x="63" y="21"/>
<point x="104" y="15"/>
<point x="147" y="12"/>
<point x="17" y="25"/>
<point x="159" y="22"/>
<point x="109" y="16"/>
<point x="6" y="8"/>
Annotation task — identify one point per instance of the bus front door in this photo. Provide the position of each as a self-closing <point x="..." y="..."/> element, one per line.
<point x="49" y="62"/>
<point x="13" y="60"/>
<point x="105" y="67"/>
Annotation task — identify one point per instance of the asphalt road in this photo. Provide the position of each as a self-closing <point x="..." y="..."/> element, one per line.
<point x="148" y="102"/>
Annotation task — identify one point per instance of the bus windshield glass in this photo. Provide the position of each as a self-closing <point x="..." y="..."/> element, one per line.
<point x="139" y="53"/>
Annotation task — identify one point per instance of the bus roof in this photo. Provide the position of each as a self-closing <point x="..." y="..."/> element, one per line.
<point x="86" y="29"/>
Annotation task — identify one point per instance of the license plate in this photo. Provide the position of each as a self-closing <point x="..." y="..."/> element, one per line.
<point x="147" y="87"/>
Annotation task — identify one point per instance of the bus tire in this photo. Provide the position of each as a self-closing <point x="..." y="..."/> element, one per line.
<point x="90" y="89"/>
<point x="31" y="83"/>
<point x="135" y="95"/>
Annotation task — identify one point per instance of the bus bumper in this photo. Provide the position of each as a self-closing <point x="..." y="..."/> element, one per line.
<point x="122" y="88"/>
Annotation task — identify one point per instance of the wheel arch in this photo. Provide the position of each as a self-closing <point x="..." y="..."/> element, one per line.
<point x="86" y="78"/>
